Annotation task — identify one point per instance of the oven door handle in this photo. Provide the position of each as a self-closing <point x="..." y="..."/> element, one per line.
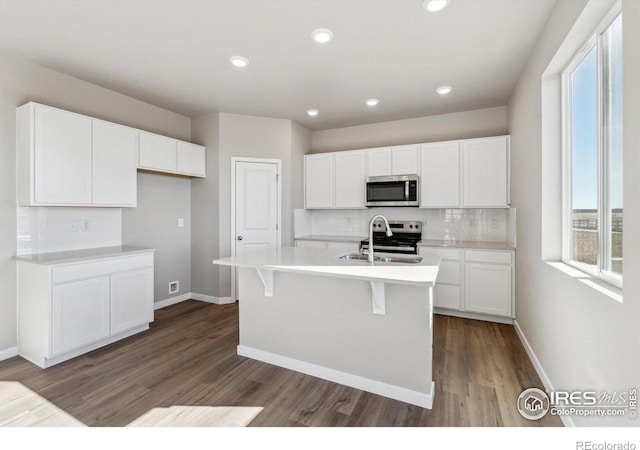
<point x="406" y="190"/>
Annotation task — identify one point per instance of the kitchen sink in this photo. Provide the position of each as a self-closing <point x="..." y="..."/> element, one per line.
<point x="392" y="259"/>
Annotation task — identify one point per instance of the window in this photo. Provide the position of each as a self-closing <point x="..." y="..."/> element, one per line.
<point x="592" y="129"/>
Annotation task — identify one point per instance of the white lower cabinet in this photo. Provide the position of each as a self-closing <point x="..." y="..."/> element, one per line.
<point x="80" y="314"/>
<point x="476" y="283"/>
<point x="488" y="288"/>
<point x="67" y="309"/>
<point x="131" y="299"/>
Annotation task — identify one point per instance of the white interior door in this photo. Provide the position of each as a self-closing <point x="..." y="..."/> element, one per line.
<point x="256" y="206"/>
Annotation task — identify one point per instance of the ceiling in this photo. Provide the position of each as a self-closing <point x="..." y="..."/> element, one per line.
<point x="175" y="53"/>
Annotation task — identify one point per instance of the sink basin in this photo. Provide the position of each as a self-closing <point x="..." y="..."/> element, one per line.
<point x="392" y="259"/>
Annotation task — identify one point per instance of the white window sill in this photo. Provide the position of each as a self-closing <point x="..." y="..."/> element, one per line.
<point x="599" y="285"/>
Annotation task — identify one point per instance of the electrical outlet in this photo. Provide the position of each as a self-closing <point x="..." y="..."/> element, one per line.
<point x="74" y="226"/>
<point x="180" y="222"/>
<point x="494" y="223"/>
<point x="85" y="225"/>
<point x="424" y="223"/>
<point x="471" y="223"/>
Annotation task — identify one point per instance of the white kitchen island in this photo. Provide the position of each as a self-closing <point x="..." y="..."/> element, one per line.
<point x="368" y="326"/>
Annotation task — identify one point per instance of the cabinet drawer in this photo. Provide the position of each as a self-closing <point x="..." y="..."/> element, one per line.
<point x="436" y="254"/>
<point x="445" y="296"/>
<point x="90" y="269"/>
<point x="487" y="256"/>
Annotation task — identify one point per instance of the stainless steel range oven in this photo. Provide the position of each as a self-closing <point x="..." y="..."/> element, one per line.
<point x="406" y="235"/>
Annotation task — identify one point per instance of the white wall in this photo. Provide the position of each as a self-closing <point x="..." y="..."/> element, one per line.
<point x="582" y="338"/>
<point x="462" y="125"/>
<point x="205" y="218"/>
<point x="234" y="135"/>
<point x="162" y="200"/>
<point x="21" y="82"/>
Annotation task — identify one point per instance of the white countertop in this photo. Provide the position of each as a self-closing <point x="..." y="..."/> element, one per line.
<point x="82" y="255"/>
<point x="323" y="237"/>
<point x="472" y="245"/>
<point x="326" y="263"/>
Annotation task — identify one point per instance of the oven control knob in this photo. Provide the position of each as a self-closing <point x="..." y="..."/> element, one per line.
<point x="410" y="226"/>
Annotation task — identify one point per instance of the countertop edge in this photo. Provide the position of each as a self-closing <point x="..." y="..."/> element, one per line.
<point x="75" y="259"/>
<point x="304" y="270"/>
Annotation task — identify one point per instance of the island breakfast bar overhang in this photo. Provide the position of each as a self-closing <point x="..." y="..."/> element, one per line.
<point x="367" y="326"/>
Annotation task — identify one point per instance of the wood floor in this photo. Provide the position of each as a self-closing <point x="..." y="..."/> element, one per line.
<point x="188" y="358"/>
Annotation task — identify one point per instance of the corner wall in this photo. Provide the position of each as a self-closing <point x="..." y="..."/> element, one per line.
<point x="583" y="339"/>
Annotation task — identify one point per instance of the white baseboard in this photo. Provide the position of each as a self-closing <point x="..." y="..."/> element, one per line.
<point x="172" y="301"/>
<point x="566" y="420"/>
<point x="366" y="384"/>
<point x="192" y="296"/>
<point x="212" y="299"/>
<point x="8" y="353"/>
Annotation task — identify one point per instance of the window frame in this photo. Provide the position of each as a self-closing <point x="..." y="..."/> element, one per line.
<point x="595" y="40"/>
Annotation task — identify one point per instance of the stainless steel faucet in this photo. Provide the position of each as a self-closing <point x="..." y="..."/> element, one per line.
<point x="389" y="233"/>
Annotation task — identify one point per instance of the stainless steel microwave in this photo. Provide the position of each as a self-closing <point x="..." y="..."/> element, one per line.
<point x="400" y="190"/>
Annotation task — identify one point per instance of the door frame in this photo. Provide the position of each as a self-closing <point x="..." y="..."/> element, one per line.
<point x="234" y="160"/>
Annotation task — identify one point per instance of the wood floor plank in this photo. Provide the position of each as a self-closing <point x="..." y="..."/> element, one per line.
<point x="188" y="358"/>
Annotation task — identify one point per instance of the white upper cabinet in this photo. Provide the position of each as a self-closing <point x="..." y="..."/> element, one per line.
<point x="114" y="164"/>
<point x="157" y="152"/>
<point x="164" y="154"/>
<point x="378" y="162"/>
<point x="404" y="160"/>
<point x="485" y="172"/>
<point x="350" y="179"/>
<point x="191" y="159"/>
<point x="54" y="157"/>
<point x="67" y="159"/>
<point x="440" y="175"/>
<point x="319" y="181"/>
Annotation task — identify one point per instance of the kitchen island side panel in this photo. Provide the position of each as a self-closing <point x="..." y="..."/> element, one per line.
<point x="329" y="322"/>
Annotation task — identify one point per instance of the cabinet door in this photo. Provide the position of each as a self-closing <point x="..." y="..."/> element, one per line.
<point x="378" y="162"/>
<point x="487" y="289"/>
<point x="440" y="175"/>
<point x="485" y="172"/>
<point x="191" y="159"/>
<point x="404" y="160"/>
<point x="131" y="300"/>
<point x="311" y="244"/>
<point x="115" y="151"/>
<point x="62" y="157"/>
<point x="80" y="314"/>
<point x="446" y="296"/>
<point x="157" y="152"/>
<point x="350" y="179"/>
<point x="318" y="181"/>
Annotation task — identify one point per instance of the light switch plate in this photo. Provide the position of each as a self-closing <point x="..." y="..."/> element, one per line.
<point x="180" y="222"/>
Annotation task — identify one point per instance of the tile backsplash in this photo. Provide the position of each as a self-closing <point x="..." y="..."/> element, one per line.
<point x="493" y="225"/>
<point x="53" y="229"/>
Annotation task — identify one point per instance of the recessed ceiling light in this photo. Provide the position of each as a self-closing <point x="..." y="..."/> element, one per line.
<point x="322" y="35"/>
<point x="435" y="5"/>
<point x="239" y="61"/>
<point x="372" y="102"/>
<point x="444" y="90"/>
<point x="313" y="112"/>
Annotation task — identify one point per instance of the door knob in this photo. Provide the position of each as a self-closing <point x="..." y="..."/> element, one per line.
<point x="239" y="238"/>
